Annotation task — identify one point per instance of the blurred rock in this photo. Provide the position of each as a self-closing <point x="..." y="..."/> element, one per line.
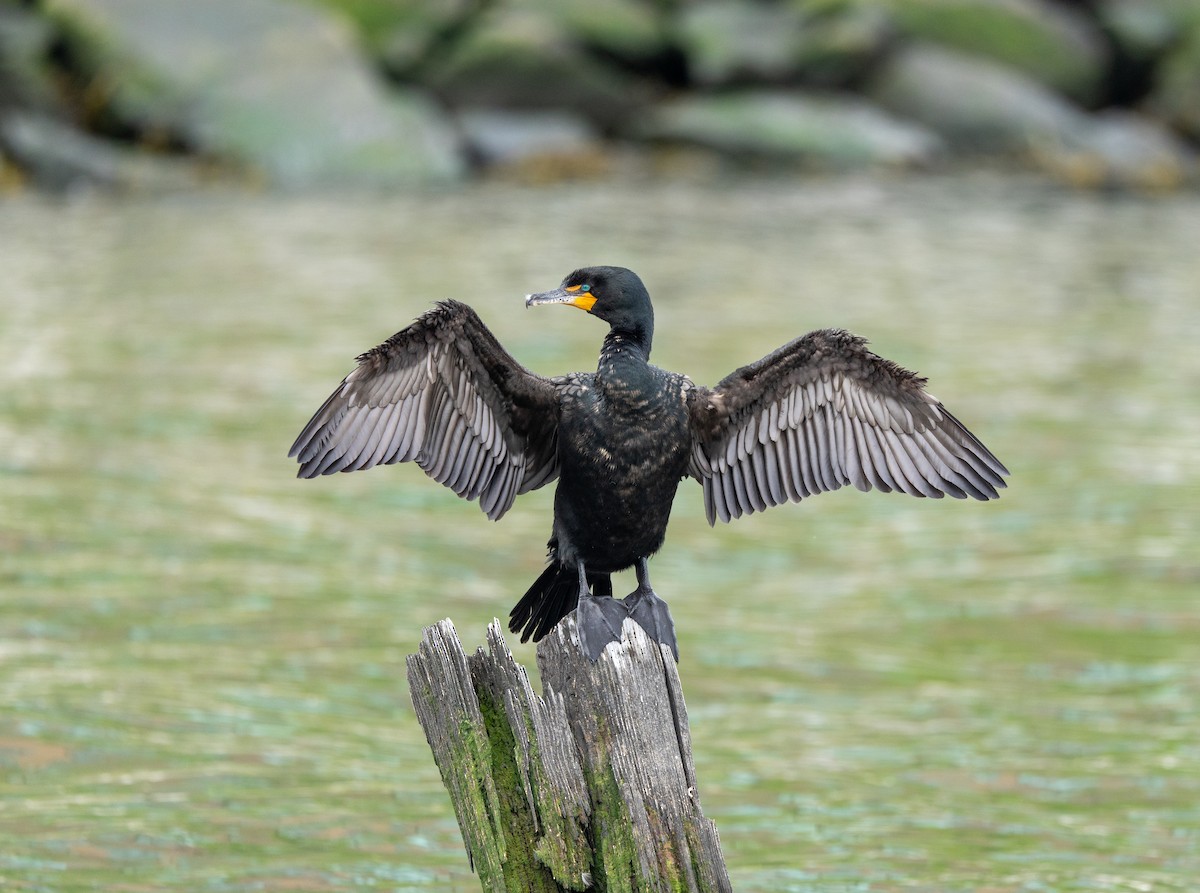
<point x="1142" y="29"/>
<point x="518" y="60"/>
<point x="1050" y="43"/>
<point x="731" y="41"/>
<point x="627" y="29"/>
<point x="498" y="138"/>
<point x="1123" y="150"/>
<point x="25" y="79"/>
<point x="1176" y="99"/>
<point x="286" y="90"/>
<point x="276" y="85"/>
<point x="60" y="158"/>
<point x="404" y="37"/>
<point x="819" y="44"/>
<point x="975" y="105"/>
<point x="839" y="43"/>
<point x="828" y="133"/>
<point x="410" y="36"/>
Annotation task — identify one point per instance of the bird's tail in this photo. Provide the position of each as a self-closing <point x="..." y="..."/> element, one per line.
<point x="552" y="597"/>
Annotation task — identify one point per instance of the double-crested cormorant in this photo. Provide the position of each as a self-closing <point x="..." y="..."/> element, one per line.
<point x="819" y="413"/>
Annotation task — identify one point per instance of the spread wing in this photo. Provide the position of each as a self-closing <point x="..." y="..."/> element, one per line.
<point x="442" y="393"/>
<point x="822" y="412"/>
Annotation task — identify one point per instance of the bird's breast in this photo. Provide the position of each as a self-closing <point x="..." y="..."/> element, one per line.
<point x="622" y="453"/>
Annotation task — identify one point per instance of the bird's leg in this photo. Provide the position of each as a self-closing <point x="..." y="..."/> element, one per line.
<point x="597" y="618"/>
<point x="601" y="584"/>
<point x="650" y="612"/>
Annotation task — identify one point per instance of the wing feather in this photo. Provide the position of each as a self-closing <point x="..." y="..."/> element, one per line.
<point x="878" y="458"/>
<point x="464" y="462"/>
<point x="445" y="394"/>
<point x="729" y="495"/>
<point x="375" y="454"/>
<point x="808" y="457"/>
<point x="823" y="412"/>
<point x="923" y="476"/>
<point x="761" y="476"/>
<point x="404" y="432"/>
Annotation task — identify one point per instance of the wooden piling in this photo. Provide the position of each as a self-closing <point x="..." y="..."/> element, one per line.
<point x="590" y="786"/>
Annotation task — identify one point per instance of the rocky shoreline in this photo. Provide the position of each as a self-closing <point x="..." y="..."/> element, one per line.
<point x="144" y="94"/>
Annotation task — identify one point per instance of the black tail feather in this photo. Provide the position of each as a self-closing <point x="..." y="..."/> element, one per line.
<point x="552" y="597"/>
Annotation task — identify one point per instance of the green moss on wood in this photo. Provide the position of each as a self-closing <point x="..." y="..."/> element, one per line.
<point x="614" y="849"/>
<point x="567" y="855"/>
<point x="522" y="870"/>
<point x="469" y="774"/>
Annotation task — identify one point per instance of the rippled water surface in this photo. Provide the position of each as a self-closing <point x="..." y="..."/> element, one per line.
<point x="201" y="658"/>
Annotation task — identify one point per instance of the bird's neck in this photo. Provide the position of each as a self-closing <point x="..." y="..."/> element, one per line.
<point x="623" y="344"/>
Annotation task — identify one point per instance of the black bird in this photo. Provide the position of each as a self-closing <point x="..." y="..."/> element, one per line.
<point x="821" y="412"/>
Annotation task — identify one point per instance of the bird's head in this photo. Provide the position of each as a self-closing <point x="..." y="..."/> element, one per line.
<point x="614" y="294"/>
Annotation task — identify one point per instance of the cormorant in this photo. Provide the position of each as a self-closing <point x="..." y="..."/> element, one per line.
<point x="820" y="412"/>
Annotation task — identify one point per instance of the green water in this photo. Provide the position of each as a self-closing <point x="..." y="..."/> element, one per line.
<point x="201" y="658"/>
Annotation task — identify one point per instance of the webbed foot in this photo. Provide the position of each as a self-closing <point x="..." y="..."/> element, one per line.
<point x="650" y="612"/>
<point x="598" y="620"/>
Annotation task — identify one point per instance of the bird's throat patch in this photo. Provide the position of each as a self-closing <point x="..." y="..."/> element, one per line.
<point x="582" y="300"/>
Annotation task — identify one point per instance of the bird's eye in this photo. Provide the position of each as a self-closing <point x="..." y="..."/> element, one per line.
<point x="585" y="288"/>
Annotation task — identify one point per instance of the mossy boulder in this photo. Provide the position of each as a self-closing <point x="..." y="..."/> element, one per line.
<point x="519" y="60"/>
<point x="402" y="36"/>
<point x="59" y="157"/>
<point x="624" y="29"/>
<point x="1049" y="43"/>
<point x="532" y="145"/>
<point x="818" y="44"/>
<point x="791" y="126"/>
<point x="1125" y="150"/>
<point x="25" y="78"/>
<point x="973" y="104"/>
<point x="841" y="42"/>
<point x="730" y="41"/>
<point x="1142" y="29"/>
<point x="276" y="86"/>
<point x="1176" y="98"/>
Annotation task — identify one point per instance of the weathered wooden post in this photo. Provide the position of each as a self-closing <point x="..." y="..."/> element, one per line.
<point x="590" y="786"/>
